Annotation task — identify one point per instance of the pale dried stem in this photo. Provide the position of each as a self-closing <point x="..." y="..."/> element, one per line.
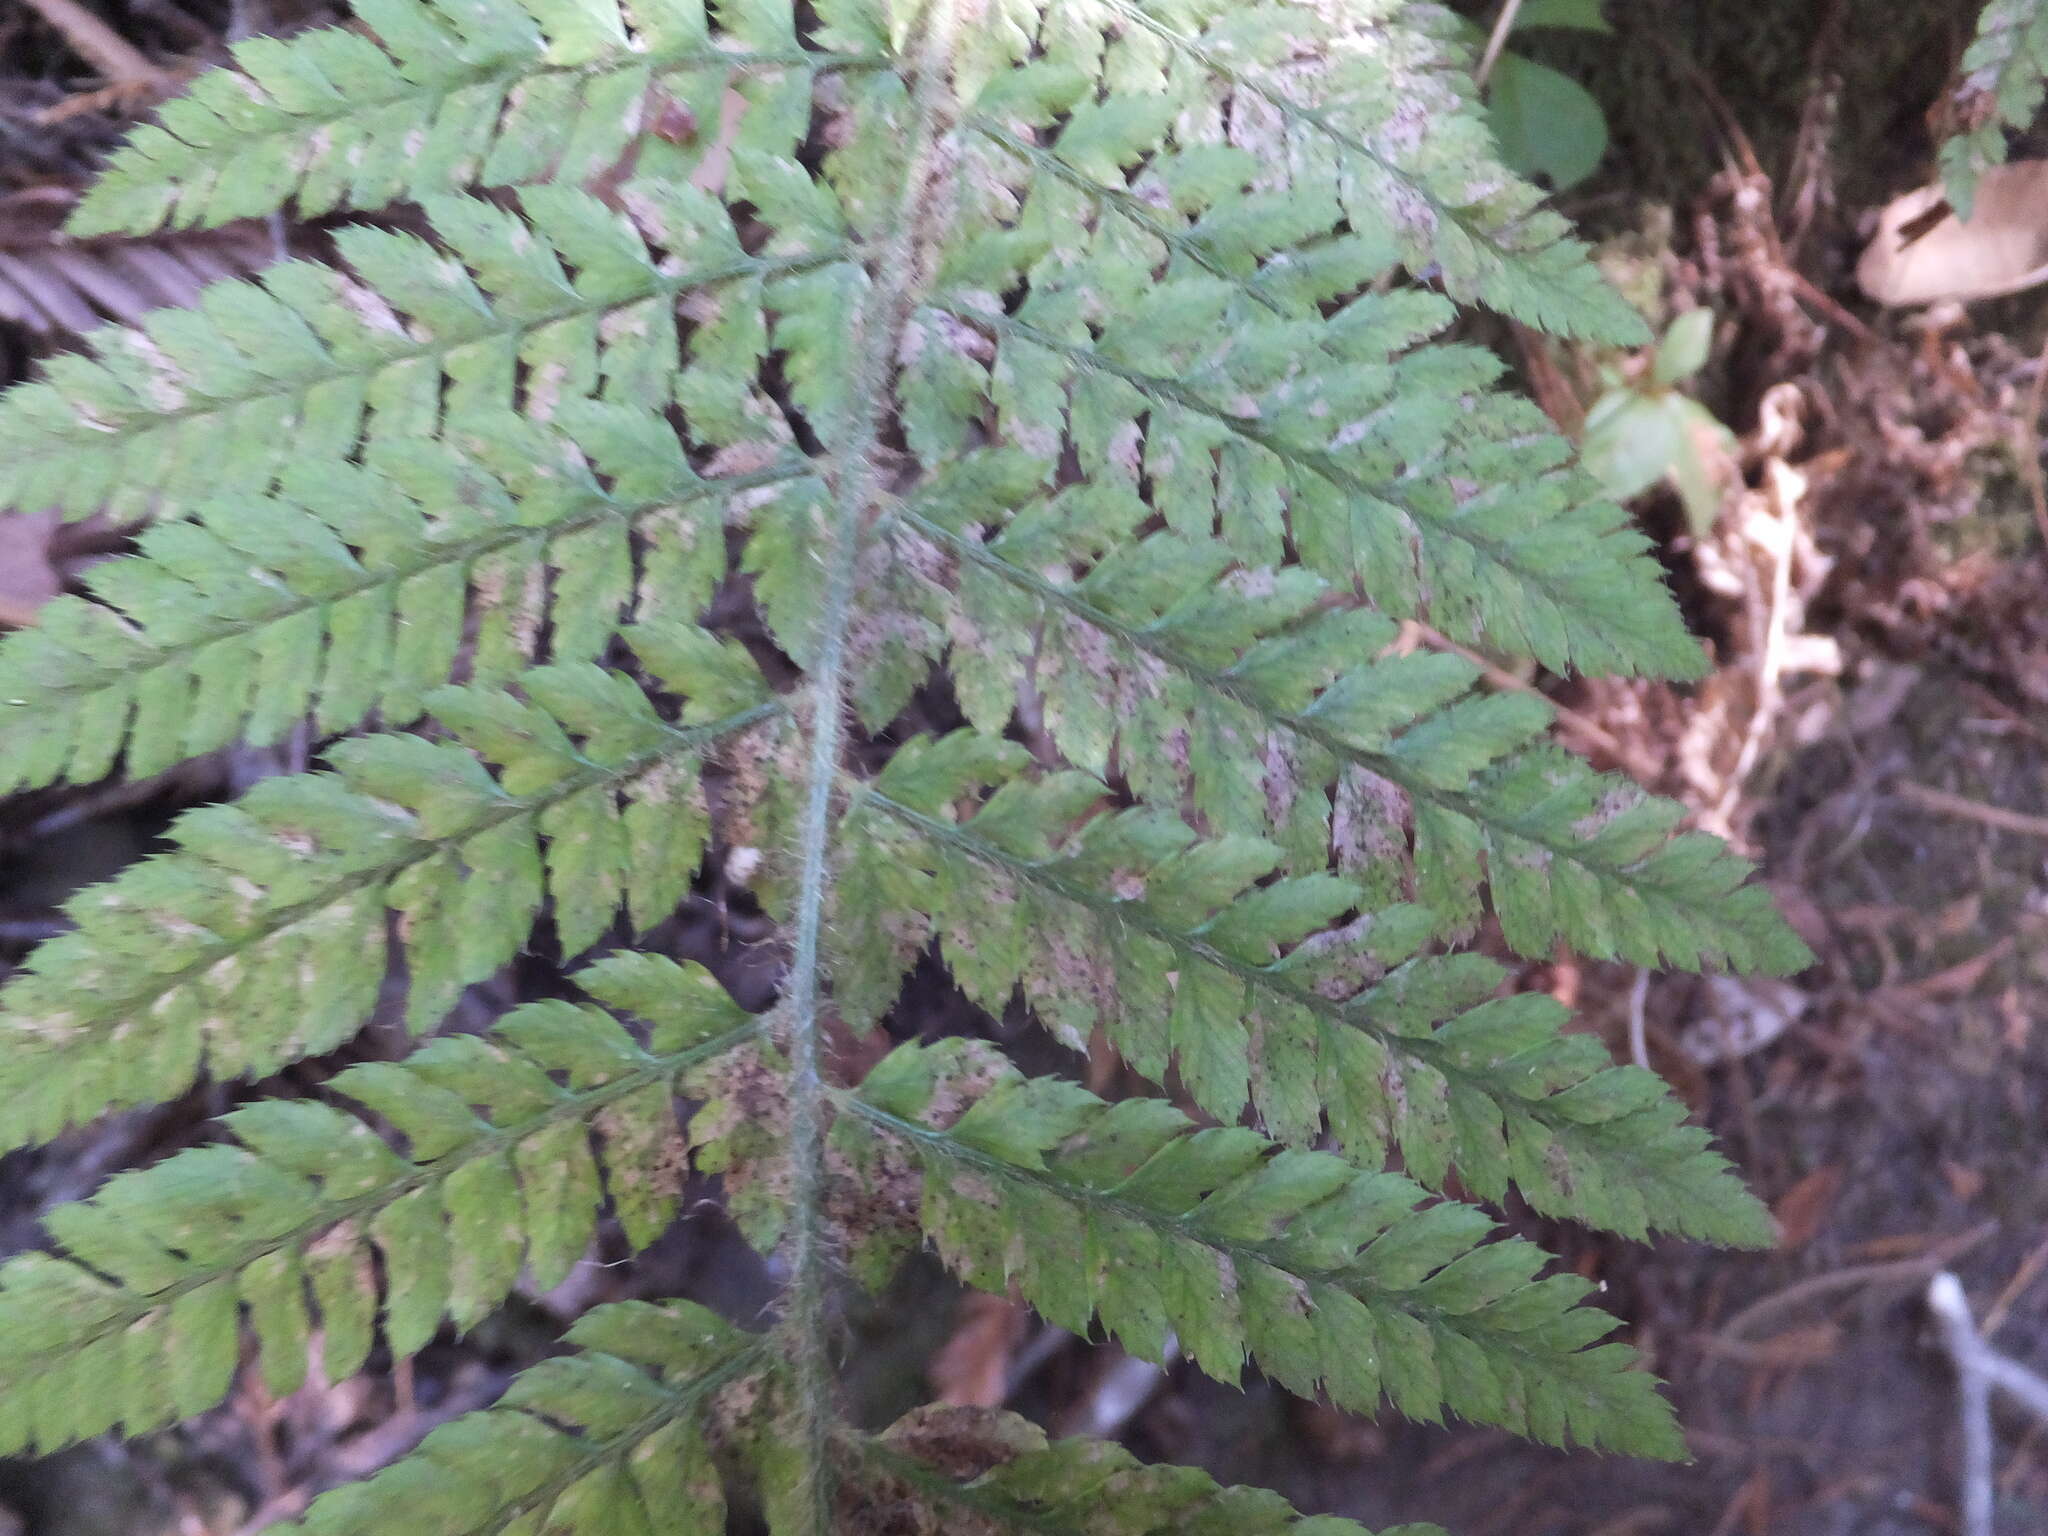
<point x="1851" y="1278"/>
<point x="1786" y="488"/>
<point x="1978" y="1369"/>
<point x="1638" y="1042"/>
<point x="1503" y="24"/>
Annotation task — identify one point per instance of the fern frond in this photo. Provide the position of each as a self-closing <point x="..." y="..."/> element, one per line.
<point x="350" y="592"/>
<point x="1332" y="105"/>
<point x="446" y="94"/>
<point x="310" y="1222"/>
<point x="1171" y="639"/>
<point x="975" y="1470"/>
<point x="262" y="938"/>
<point x="2004" y="73"/>
<point x="1378" y="502"/>
<point x="1326" y="1278"/>
<point x="1051" y="360"/>
<point x="504" y="313"/>
<point x="614" y="1440"/>
<point x="1274" y="1000"/>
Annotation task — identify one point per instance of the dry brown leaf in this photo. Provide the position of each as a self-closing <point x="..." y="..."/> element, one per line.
<point x="972" y="1368"/>
<point x="1802" y="1208"/>
<point x="55" y="285"/>
<point x="1922" y="253"/>
<point x="27" y="579"/>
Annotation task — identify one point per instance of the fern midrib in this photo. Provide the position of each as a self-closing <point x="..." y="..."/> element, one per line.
<point x="1497" y="552"/>
<point x="1238" y="1250"/>
<point x="682" y="740"/>
<point x="496" y="1139"/>
<point x="432" y="556"/>
<point x="876" y="338"/>
<point x="491" y="324"/>
<point x="1130" y="915"/>
<point x="1390" y="768"/>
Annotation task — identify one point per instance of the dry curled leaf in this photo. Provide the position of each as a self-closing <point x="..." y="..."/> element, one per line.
<point x="1802" y="1209"/>
<point x="972" y="1368"/>
<point x="1922" y="253"/>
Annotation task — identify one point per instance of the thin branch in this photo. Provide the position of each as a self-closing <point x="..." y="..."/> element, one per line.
<point x="1963" y="807"/>
<point x="1814" y="1286"/>
<point x="1638" y="1044"/>
<point x="1502" y="26"/>
<point x="2027" y="448"/>
<point x="119" y="61"/>
<point x="1582" y="724"/>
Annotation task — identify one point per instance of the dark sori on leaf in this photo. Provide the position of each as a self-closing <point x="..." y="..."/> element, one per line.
<point x="1077" y="363"/>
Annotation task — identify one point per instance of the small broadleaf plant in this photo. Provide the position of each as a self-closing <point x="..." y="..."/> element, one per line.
<point x="955" y="471"/>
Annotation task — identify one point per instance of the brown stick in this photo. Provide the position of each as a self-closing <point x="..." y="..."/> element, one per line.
<point x="99" y="44"/>
<point x="1927" y="797"/>
<point x="2027" y="447"/>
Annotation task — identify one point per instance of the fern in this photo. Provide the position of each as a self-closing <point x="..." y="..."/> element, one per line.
<point x="2003" y="75"/>
<point x="1075" y="372"/>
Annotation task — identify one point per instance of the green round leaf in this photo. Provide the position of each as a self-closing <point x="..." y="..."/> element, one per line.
<point x="1573" y="15"/>
<point x="1630" y="442"/>
<point x="1683" y="351"/>
<point x="1546" y="123"/>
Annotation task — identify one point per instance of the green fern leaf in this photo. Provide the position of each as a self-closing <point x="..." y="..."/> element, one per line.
<point x="350" y="595"/>
<point x="1328" y="1279"/>
<point x="454" y="93"/>
<point x="610" y="1441"/>
<point x="262" y="938"/>
<point x="301" y="367"/>
<point x="1089" y="926"/>
<point x="134" y="1326"/>
<point x="974" y="1469"/>
<point x="2004" y="73"/>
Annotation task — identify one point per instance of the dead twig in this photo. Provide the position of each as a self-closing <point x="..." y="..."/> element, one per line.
<point x="1853" y="1277"/>
<point x="2027" y="445"/>
<point x="1502" y="26"/>
<point x="1638" y="1043"/>
<point x="1978" y="1369"/>
<point x="2030" y="1268"/>
<point x="103" y="48"/>
<point x="1941" y="801"/>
